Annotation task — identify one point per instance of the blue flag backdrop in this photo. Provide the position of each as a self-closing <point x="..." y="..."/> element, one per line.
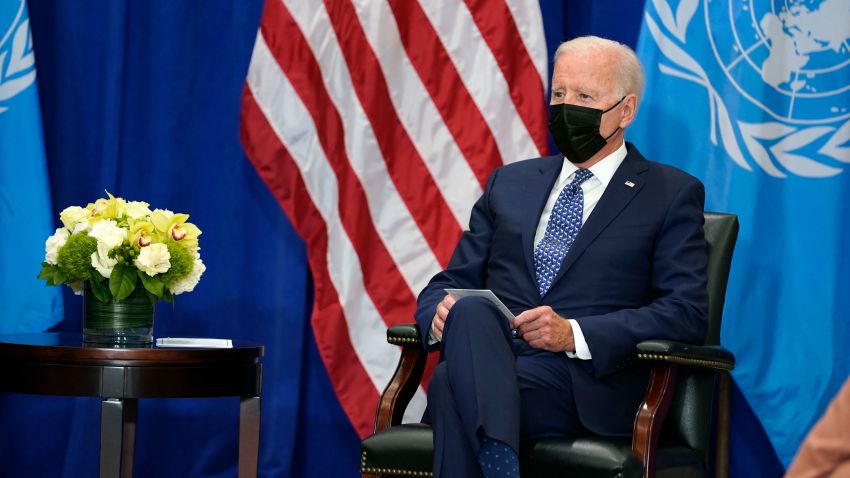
<point x="754" y="99"/>
<point x="25" y="210"/>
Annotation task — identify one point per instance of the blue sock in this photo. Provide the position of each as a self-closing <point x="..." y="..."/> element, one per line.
<point x="497" y="459"/>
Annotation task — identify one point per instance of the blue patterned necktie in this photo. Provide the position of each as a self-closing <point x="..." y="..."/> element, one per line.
<point x="563" y="227"/>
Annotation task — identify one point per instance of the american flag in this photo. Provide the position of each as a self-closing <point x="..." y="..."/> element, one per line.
<point x="376" y="123"/>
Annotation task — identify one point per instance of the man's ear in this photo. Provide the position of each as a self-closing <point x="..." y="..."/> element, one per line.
<point x="628" y="111"/>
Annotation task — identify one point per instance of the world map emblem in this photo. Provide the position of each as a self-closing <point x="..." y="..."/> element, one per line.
<point x="17" y="62"/>
<point x="776" y="75"/>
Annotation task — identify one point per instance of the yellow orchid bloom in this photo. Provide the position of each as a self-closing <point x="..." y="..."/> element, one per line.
<point x="140" y="233"/>
<point x="170" y="226"/>
<point x="186" y="234"/>
<point x="112" y="208"/>
<point x="161" y="219"/>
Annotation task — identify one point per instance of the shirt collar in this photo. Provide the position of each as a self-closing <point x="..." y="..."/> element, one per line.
<point x="603" y="170"/>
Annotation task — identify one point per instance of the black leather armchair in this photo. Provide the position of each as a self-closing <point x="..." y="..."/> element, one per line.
<point x="681" y="389"/>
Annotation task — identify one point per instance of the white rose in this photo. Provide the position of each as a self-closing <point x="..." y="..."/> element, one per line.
<point x="137" y="209"/>
<point x="101" y="261"/>
<point x="153" y="259"/>
<point x="54" y="243"/>
<point x="188" y="283"/>
<point x="73" y="215"/>
<point x="81" y="227"/>
<point x="108" y="233"/>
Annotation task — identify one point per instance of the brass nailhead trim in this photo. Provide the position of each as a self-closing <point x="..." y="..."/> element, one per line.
<point x="389" y="471"/>
<point x="393" y="471"/>
<point x="687" y="361"/>
<point x="403" y="340"/>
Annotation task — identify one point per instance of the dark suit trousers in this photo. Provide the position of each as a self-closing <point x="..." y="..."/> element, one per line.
<point x="489" y="383"/>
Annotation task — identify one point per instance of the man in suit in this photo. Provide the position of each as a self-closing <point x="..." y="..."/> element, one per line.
<point x="593" y="250"/>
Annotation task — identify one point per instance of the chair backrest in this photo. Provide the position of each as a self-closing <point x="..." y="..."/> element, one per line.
<point x="721" y="233"/>
<point x="689" y="419"/>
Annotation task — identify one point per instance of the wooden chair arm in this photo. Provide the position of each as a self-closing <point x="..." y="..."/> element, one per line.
<point x="651" y="414"/>
<point x="667" y="356"/>
<point x="406" y="377"/>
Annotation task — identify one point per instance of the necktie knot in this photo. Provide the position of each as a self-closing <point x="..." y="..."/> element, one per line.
<point x="581" y="176"/>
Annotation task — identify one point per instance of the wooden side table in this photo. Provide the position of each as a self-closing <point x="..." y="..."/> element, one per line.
<point x="61" y="364"/>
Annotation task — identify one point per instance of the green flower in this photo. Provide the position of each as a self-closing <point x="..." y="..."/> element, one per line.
<point x="75" y="257"/>
<point x="182" y="261"/>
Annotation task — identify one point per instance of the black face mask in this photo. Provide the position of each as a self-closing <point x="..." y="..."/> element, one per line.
<point x="576" y="130"/>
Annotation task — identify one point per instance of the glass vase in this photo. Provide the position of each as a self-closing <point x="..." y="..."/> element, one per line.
<point x="118" y="323"/>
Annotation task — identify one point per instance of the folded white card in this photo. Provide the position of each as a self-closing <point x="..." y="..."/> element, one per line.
<point x="488" y="294"/>
<point x="191" y="343"/>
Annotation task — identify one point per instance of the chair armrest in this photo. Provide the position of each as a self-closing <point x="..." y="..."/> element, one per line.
<point x="404" y="334"/>
<point x="667" y="357"/>
<point x="712" y="357"/>
<point x="406" y="377"/>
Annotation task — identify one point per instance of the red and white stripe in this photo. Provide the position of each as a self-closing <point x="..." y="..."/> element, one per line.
<point x="376" y="124"/>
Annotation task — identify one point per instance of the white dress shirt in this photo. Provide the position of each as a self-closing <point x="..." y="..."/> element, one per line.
<point x="592" y="188"/>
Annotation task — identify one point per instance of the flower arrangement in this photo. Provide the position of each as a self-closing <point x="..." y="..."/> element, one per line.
<point x="114" y="245"/>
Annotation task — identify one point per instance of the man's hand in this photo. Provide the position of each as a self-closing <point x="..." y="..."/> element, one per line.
<point x="440" y="317"/>
<point x="543" y="329"/>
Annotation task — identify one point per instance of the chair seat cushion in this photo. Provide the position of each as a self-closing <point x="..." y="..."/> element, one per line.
<point x="585" y="457"/>
<point x="403" y="450"/>
<point x="407" y="450"/>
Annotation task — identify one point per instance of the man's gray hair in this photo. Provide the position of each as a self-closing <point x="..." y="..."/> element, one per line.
<point x="629" y="70"/>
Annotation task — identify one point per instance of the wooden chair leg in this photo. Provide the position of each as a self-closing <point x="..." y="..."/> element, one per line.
<point x="651" y="414"/>
<point x="721" y="451"/>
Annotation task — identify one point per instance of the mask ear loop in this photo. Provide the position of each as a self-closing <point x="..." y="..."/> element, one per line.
<point x="609" y="109"/>
<point x="614" y="105"/>
<point x="612" y="134"/>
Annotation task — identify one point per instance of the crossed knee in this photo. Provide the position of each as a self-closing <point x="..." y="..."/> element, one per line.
<point x="474" y="312"/>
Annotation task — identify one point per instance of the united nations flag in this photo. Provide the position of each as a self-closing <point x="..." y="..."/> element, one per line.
<point x="26" y="305"/>
<point x="753" y="97"/>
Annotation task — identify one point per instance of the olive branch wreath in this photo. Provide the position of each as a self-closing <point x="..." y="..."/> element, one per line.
<point x="16" y="74"/>
<point x="787" y="138"/>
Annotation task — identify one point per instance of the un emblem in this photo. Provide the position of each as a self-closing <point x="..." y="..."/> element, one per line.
<point x="776" y="74"/>
<point x="17" y="64"/>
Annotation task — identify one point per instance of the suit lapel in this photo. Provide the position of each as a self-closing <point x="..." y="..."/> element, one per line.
<point x="533" y="201"/>
<point x="616" y="196"/>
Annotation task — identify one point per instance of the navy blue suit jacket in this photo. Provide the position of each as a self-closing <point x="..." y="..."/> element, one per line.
<point x="635" y="272"/>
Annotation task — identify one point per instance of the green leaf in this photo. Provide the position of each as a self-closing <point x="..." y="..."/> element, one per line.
<point x="122" y="282"/>
<point x="154" y="284"/>
<point x="48" y="272"/>
<point x="95" y="276"/>
<point x="59" y="277"/>
<point x="167" y="296"/>
<point x="99" y="288"/>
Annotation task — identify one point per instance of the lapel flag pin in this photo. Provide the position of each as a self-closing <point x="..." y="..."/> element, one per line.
<point x="630" y="184"/>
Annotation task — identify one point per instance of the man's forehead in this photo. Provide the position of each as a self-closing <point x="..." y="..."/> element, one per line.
<point x="596" y="68"/>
